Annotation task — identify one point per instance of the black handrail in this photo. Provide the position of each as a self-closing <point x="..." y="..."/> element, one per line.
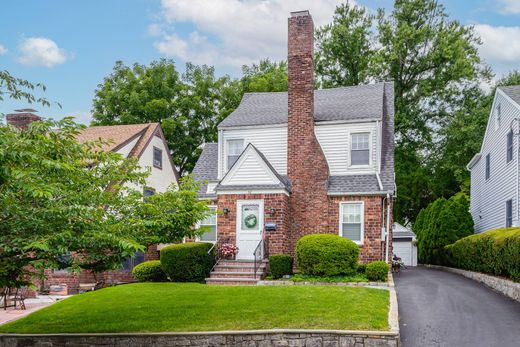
<point x="261" y="252"/>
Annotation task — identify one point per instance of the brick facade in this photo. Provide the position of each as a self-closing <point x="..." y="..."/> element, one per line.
<point x="307" y="167"/>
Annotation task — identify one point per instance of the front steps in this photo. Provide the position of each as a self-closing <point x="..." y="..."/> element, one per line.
<point x="237" y="272"/>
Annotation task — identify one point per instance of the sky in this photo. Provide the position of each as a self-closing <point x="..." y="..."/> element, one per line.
<point x="71" y="45"/>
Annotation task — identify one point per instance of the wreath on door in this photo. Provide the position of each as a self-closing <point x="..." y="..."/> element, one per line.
<point x="250" y="221"/>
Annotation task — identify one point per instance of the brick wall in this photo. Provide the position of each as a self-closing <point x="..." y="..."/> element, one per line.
<point x="306" y="164"/>
<point x="278" y="240"/>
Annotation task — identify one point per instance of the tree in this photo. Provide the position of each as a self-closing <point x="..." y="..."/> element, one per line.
<point x="188" y="106"/>
<point x="267" y="76"/>
<point x="20" y="89"/>
<point x="344" y="48"/>
<point x="66" y="204"/>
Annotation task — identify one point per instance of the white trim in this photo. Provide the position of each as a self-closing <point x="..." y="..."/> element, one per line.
<point x="238" y="221"/>
<point x="360" y="132"/>
<point x="253" y="191"/>
<point x="226" y="155"/>
<point x="379" y="181"/>
<point x="474" y="161"/>
<point x="362" y="218"/>
<point x="360" y="193"/>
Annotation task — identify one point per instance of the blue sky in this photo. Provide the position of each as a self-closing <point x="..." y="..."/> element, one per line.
<point x="71" y="45"/>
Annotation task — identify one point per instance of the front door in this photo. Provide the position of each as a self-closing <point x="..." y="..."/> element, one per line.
<point x="250" y="221"/>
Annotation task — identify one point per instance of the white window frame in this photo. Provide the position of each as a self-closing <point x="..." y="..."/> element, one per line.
<point x="362" y="218"/>
<point x="498" y="115"/>
<point x="199" y="224"/>
<point x="351" y="135"/>
<point x="226" y="150"/>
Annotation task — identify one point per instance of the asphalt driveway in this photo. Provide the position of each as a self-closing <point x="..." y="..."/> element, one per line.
<point x="438" y="308"/>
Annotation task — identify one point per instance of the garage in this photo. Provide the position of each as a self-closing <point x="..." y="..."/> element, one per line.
<point x="404" y="244"/>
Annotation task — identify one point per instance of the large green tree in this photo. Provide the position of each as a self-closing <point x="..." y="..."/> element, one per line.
<point x="189" y="106"/>
<point x="266" y="76"/>
<point x="344" y="48"/>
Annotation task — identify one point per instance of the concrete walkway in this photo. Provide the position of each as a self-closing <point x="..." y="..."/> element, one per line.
<point x="33" y="304"/>
<point x="438" y="308"/>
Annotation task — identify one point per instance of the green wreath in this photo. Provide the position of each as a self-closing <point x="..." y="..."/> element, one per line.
<point x="250" y="221"/>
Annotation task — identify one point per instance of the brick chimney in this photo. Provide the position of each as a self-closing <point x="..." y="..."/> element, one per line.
<point x="22" y="118"/>
<point x="307" y="167"/>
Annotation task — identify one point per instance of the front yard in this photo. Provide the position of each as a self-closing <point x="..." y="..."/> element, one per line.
<point x="168" y="307"/>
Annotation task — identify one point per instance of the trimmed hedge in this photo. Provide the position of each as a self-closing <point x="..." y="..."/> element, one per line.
<point x="149" y="271"/>
<point x="377" y="271"/>
<point x="280" y="265"/>
<point x="495" y="252"/>
<point x="326" y="255"/>
<point x="361" y="268"/>
<point x="187" y="262"/>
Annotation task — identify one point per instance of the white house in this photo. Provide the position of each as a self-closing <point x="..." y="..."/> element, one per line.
<point x="495" y="170"/>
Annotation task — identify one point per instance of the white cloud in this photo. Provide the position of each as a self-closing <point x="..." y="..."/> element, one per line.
<point x="232" y="32"/>
<point x="500" y="46"/>
<point x="509" y="6"/>
<point x="41" y="51"/>
<point x="83" y="117"/>
<point x="3" y="50"/>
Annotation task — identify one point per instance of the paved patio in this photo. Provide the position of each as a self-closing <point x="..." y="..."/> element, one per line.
<point x="33" y="304"/>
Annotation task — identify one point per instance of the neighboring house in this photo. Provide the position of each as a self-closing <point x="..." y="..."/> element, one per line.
<point x="495" y="179"/>
<point x="147" y="144"/>
<point x="308" y="161"/>
<point x="404" y="244"/>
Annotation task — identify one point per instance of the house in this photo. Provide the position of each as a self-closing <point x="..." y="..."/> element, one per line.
<point x="495" y="170"/>
<point x="404" y="244"/>
<point x="302" y="162"/>
<point x="147" y="144"/>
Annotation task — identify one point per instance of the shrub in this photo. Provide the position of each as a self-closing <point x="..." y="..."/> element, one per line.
<point x="149" y="271"/>
<point x="377" y="271"/>
<point x="361" y="268"/>
<point x="496" y="252"/>
<point x="187" y="262"/>
<point x="280" y="265"/>
<point x="442" y="223"/>
<point x="326" y="255"/>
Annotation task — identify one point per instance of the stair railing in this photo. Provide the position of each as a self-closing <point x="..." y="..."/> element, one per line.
<point x="261" y="252"/>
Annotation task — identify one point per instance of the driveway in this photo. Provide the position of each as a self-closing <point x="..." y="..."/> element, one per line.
<point x="438" y="308"/>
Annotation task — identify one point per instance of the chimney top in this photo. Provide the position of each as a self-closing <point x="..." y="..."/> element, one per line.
<point x="22" y="118"/>
<point x="303" y="13"/>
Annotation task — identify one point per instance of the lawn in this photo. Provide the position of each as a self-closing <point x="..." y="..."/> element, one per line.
<point x="162" y="307"/>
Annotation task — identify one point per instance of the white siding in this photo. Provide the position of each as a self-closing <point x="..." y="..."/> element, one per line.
<point x="126" y="149"/>
<point x="250" y="169"/>
<point x="271" y="141"/>
<point x="335" y="142"/>
<point x="488" y="197"/>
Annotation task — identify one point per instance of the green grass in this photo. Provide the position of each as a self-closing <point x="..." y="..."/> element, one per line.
<point x="162" y="307"/>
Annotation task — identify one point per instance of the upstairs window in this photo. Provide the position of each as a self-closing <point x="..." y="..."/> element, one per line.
<point x="509" y="146"/>
<point x="488" y="166"/>
<point x="157" y="158"/>
<point x="234" y="149"/>
<point x="498" y="116"/>
<point x="360" y="150"/>
<point x="351" y="221"/>
<point x="210" y="222"/>
<point x="509" y="213"/>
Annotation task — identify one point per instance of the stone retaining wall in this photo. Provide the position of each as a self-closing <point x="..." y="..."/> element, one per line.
<point x="257" y="338"/>
<point x="502" y="285"/>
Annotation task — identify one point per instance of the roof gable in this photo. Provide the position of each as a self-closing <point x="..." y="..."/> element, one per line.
<point x="251" y="168"/>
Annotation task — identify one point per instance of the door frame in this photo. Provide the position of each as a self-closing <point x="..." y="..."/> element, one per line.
<point x="238" y="226"/>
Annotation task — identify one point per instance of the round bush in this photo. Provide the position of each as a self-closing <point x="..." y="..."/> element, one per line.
<point x="326" y="255"/>
<point x="377" y="271"/>
<point x="149" y="271"/>
<point x="187" y="262"/>
<point x="280" y="265"/>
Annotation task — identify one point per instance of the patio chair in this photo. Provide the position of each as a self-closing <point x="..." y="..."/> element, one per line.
<point x="19" y="297"/>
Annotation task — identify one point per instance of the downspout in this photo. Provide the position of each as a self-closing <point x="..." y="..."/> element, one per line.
<point x="387" y="225"/>
<point x="385" y="199"/>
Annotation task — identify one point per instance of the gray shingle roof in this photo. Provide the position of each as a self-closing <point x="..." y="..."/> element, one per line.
<point x="346" y="103"/>
<point x="353" y="184"/>
<point x="513" y="92"/>
<point x="206" y="169"/>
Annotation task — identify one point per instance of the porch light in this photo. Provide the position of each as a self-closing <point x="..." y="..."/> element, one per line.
<point x="272" y="212"/>
<point x="226" y="210"/>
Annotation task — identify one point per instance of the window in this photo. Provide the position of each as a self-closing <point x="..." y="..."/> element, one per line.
<point x="509" y="213"/>
<point x="210" y="222"/>
<point x="360" y="152"/>
<point x="130" y="262"/>
<point x="147" y="191"/>
<point x="234" y="149"/>
<point x="351" y="221"/>
<point x="498" y="116"/>
<point x="510" y="146"/>
<point x="488" y="166"/>
<point x="157" y="158"/>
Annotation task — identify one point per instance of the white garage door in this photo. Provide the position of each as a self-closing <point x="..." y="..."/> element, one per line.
<point x="404" y="251"/>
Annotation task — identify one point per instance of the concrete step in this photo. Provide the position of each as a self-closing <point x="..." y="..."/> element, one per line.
<point x="247" y="274"/>
<point x="237" y="268"/>
<point x="232" y="281"/>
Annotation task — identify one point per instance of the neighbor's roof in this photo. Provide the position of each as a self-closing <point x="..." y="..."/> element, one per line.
<point x="400" y="231"/>
<point x="120" y="135"/>
<point x="513" y="92"/>
<point x="335" y="104"/>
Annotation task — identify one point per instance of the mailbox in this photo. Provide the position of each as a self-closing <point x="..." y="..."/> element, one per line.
<point x="270" y="226"/>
